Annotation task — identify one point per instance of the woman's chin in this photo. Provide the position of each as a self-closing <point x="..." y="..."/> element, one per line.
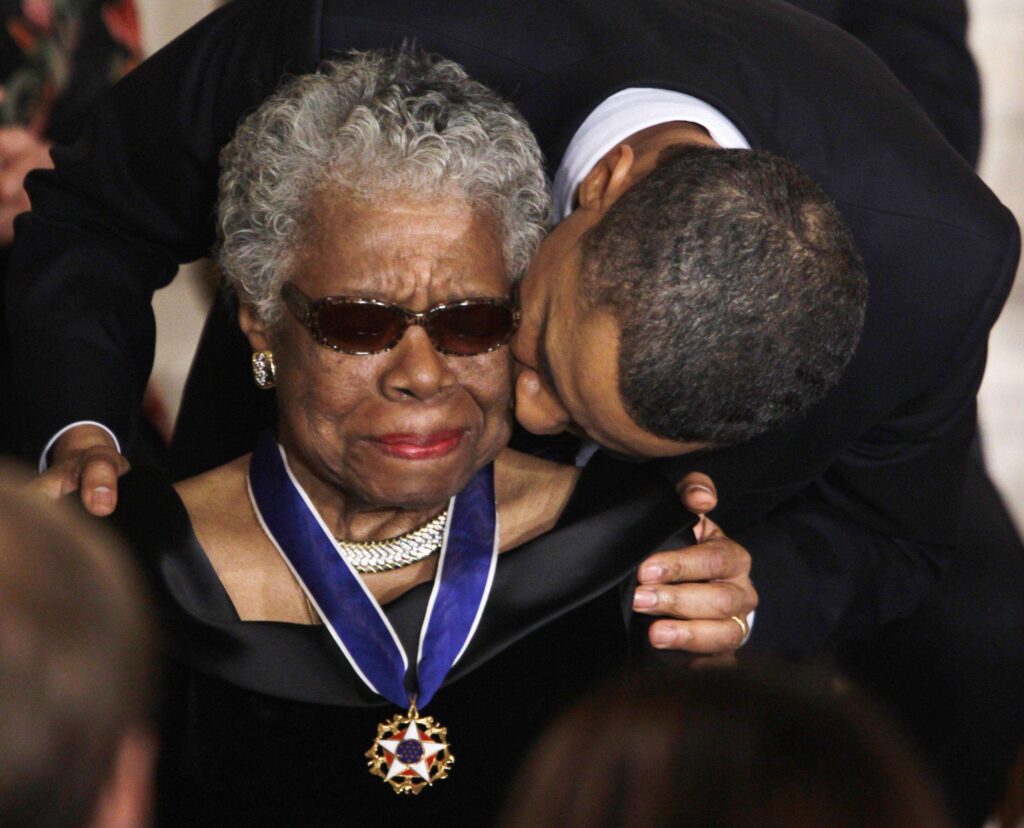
<point x="396" y="480"/>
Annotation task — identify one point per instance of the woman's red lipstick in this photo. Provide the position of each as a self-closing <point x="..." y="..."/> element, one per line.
<point x="420" y="446"/>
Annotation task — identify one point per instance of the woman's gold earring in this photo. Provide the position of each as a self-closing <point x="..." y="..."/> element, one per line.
<point x="263" y="370"/>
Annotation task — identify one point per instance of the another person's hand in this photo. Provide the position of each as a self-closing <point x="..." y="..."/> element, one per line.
<point x="20" y="152"/>
<point x="85" y="459"/>
<point x="701" y="590"/>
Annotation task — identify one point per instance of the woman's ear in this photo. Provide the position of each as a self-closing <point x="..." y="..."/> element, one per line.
<point x="255" y="329"/>
<point x="608" y="180"/>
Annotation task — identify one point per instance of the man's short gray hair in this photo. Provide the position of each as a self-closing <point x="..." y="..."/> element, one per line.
<point x="402" y="122"/>
<point x="738" y="290"/>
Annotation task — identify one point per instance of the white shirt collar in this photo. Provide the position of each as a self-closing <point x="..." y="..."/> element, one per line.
<point x="620" y="116"/>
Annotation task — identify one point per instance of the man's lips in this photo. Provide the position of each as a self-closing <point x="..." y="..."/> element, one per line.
<point x="420" y="446"/>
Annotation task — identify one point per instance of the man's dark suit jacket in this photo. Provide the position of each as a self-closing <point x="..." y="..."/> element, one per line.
<point x="924" y="44"/>
<point x="848" y="514"/>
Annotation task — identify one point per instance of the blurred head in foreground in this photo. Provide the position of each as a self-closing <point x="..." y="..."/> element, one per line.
<point x="723" y="748"/>
<point x="76" y="661"/>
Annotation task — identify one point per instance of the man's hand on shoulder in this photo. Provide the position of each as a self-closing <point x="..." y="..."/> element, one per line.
<point x="704" y="591"/>
<point x="85" y="459"/>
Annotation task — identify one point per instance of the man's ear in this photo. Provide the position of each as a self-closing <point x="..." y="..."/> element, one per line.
<point x="255" y="329"/>
<point x="608" y="180"/>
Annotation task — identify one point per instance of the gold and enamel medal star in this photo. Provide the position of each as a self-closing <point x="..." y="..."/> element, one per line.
<point x="410" y="752"/>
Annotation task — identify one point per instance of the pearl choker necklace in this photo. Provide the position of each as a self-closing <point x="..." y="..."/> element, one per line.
<point x="394" y="553"/>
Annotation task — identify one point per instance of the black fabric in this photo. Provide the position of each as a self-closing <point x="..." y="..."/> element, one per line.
<point x="954" y="672"/>
<point x="924" y="44"/>
<point x="265" y="723"/>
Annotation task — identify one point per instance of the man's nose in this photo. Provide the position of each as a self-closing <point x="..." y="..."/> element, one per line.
<point x="538" y="409"/>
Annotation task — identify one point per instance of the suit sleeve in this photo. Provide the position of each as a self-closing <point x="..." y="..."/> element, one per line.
<point x="126" y="204"/>
<point x="831" y="567"/>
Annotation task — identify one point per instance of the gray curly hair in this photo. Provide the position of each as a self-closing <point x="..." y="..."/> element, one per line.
<point x="397" y="121"/>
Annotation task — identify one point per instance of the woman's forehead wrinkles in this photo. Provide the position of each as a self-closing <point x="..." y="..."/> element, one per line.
<point x="416" y="255"/>
<point x="419" y="279"/>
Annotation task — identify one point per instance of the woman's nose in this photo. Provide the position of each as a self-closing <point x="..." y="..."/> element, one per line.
<point x="416" y="369"/>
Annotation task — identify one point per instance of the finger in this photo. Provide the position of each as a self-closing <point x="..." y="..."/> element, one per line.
<point x="99" y="481"/>
<point x="698" y="493"/>
<point x="717" y="559"/>
<point x="701" y="636"/>
<point x="55" y="482"/>
<point x="696" y="600"/>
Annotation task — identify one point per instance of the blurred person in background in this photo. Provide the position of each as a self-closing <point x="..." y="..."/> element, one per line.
<point x="76" y="745"/>
<point x="770" y="747"/>
<point x="56" y="58"/>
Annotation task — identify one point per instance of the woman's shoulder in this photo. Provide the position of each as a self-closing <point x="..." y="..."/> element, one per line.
<point x="154" y="521"/>
<point x="531" y="494"/>
<point x="207" y="494"/>
<point x="252" y="572"/>
<point x="201" y="630"/>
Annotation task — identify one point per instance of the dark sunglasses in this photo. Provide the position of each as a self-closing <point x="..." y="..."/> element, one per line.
<point x="367" y="326"/>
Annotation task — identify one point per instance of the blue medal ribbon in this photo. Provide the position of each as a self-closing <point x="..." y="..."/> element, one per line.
<point x="355" y="620"/>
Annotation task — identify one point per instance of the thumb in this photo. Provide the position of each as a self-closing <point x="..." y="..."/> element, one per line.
<point x="56" y="481"/>
<point x="698" y="493"/>
<point x="98" y="486"/>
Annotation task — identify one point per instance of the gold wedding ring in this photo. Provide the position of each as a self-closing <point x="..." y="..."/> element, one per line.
<point x="744" y="627"/>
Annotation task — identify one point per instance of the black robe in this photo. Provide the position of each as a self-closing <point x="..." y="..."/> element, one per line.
<point x="266" y="722"/>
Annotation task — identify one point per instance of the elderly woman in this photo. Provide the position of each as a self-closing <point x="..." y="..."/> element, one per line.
<point x="334" y="600"/>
